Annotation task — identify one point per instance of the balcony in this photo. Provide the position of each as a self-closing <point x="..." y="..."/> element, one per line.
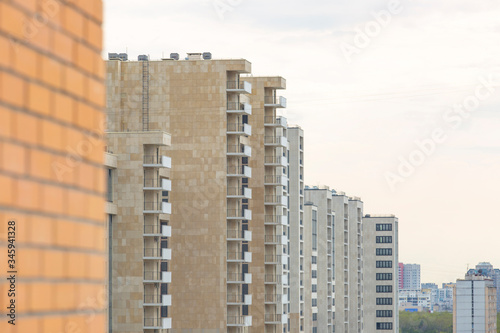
<point x="157" y="300"/>
<point x="239" y="278"/>
<point x="157" y="207"/>
<point x="157" y="277"/>
<point x="239" y="171"/>
<point x="275" y="200"/>
<point x="276" y="220"/>
<point x="275" y="259"/>
<point x="275" y="240"/>
<point x="275" y="161"/>
<point x="239" y="257"/>
<point x="273" y="318"/>
<point x="273" y="279"/>
<point x="276" y="180"/>
<point x="157" y="230"/>
<point x="276" y="141"/>
<point x="239" y="214"/>
<point x="239" y="108"/>
<point x="157" y="323"/>
<point x="272" y="298"/>
<point x="239" y="150"/>
<point x="157" y="161"/>
<point x="239" y="299"/>
<point x="239" y="129"/>
<point x="275" y="101"/>
<point x="157" y="184"/>
<point x="241" y="87"/>
<point x="275" y="121"/>
<point x="239" y="235"/>
<point x="156" y="253"/>
<point x="239" y="193"/>
<point x="239" y="320"/>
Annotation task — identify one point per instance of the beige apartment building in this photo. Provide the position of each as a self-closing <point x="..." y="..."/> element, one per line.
<point x="269" y="206"/>
<point x="380" y="259"/>
<point x="203" y="104"/>
<point x="308" y="288"/>
<point x="322" y="259"/>
<point x="296" y="234"/>
<point x="348" y="263"/>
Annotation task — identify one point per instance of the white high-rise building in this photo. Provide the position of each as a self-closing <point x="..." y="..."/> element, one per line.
<point x="411" y="277"/>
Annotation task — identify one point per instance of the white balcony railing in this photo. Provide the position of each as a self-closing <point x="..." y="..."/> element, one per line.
<point x="275" y="101"/>
<point x="239" y="87"/>
<point x="239" y="129"/>
<point x="157" y="161"/>
<point x="240" y="108"/>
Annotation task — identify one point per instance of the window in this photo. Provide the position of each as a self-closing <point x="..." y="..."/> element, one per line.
<point x="314" y="259"/>
<point x="384" y="326"/>
<point x="314" y="230"/>
<point x="383" y="227"/>
<point x="384" y="289"/>
<point x="384" y="239"/>
<point x="383" y="264"/>
<point x="315" y="316"/>
<point x="314" y="274"/>
<point x="314" y="288"/>
<point x="384" y="301"/>
<point x="314" y="302"/>
<point x="384" y="276"/>
<point x="383" y="252"/>
<point x="109" y="192"/>
<point x="384" y="313"/>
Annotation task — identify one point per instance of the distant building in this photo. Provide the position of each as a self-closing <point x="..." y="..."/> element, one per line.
<point x="401" y="269"/>
<point x="414" y="299"/>
<point x="429" y="286"/>
<point x="442" y="299"/>
<point x="486" y="269"/>
<point x="474" y="306"/>
<point x="410" y="274"/>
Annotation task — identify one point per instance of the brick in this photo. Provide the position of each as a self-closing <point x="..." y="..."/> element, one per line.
<point x="97" y="93"/>
<point x="6" y="122"/>
<point x="40" y="164"/>
<point x="7" y="194"/>
<point x="42" y="297"/>
<point x="97" y="10"/>
<point x="63" y="106"/>
<point x="52" y="10"/>
<point x="30" y="263"/>
<point x="98" y="324"/>
<point x="27" y="128"/>
<point x="66" y="296"/>
<point x="86" y="236"/>
<point x="23" y="297"/>
<point x="42" y="228"/>
<point x="63" y="46"/>
<point x="52" y="324"/>
<point x="52" y="199"/>
<point x="23" y="232"/>
<point x="97" y="267"/>
<point x="12" y="20"/>
<point x="66" y="233"/>
<point x="94" y="35"/>
<point x="62" y="167"/>
<point x="77" y="265"/>
<point x="74" y="82"/>
<point x="79" y="207"/>
<point x="6" y="47"/>
<point x="51" y="71"/>
<point x="14" y="158"/>
<point x="54" y="264"/>
<point x="76" y="324"/>
<point x="39" y="99"/>
<point x="84" y="116"/>
<point x="28" y="194"/>
<point x="73" y="22"/>
<point x="53" y="135"/>
<point x="41" y="36"/>
<point x="12" y="89"/>
<point x="95" y="208"/>
<point x="26" y="61"/>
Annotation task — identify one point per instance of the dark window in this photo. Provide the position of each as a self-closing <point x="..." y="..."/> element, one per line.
<point x="383" y="227"/>
<point x="384" y="326"/>
<point x="384" y="276"/>
<point x="384" y="252"/>
<point x="314" y="288"/>
<point x="109" y="194"/>
<point x="315" y="316"/>
<point x="384" y="289"/>
<point x="384" y="239"/>
<point x="314" y="274"/>
<point x="314" y="259"/>
<point x="314" y="230"/>
<point x="384" y="301"/>
<point x="384" y="264"/>
<point x="384" y="313"/>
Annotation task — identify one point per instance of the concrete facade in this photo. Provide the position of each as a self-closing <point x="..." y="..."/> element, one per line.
<point x="474" y="305"/>
<point x="380" y="273"/>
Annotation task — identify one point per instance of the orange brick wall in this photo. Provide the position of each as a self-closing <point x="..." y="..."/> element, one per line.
<point x="51" y="175"/>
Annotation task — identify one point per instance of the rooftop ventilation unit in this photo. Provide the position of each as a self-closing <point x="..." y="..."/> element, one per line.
<point x="113" y="56"/>
<point x="207" y="56"/>
<point x="174" y="56"/>
<point x="143" y="57"/>
<point x="193" y="56"/>
<point x="123" y="56"/>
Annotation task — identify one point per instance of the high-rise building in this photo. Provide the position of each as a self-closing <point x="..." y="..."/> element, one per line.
<point x="322" y="258"/>
<point x="269" y="185"/>
<point x="51" y="167"/>
<point x="474" y="304"/>
<point x="401" y="272"/>
<point x="380" y="258"/>
<point x="411" y="277"/>
<point x="494" y="273"/>
<point x="308" y="284"/>
<point x="296" y="235"/>
<point x="202" y="104"/>
<point x="348" y="244"/>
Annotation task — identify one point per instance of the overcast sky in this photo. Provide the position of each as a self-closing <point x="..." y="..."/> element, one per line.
<point x="399" y="101"/>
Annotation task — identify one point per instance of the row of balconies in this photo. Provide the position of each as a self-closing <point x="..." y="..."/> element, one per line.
<point x="276" y="180"/>
<point x="239" y="299"/>
<point x="275" y="161"/>
<point x="239" y="129"/>
<point x="157" y="230"/>
<point x="156" y="253"/>
<point x="275" y="220"/>
<point x="239" y="171"/>
<point x="239" y="193"/>
<point x="276" y="259"/>
<point x="239" y="214"/>
<point x="157" y="300"/>
<point x="275" y="200"/>
<point x="275" y="240"/>
<point x="157" y="323"/>
<point x="245" y="257"/>
<point x="239" y="150"/>
<point x="239" y="321"/>
<point x="276" y="279"/>
<point x="275" y="298"/>
<point x="157" y="207"/>
<point x="157" y="161"/>
<point x="239" y="278"/>
<point x="278" y="141"/>
<point x="275" y="319"/>
<point x="275" y="121"/>
<point x="239" y="235"/>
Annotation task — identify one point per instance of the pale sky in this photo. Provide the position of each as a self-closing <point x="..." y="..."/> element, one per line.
<point x="365" y="87"/>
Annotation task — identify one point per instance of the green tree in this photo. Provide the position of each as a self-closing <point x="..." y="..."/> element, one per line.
<point x="425" y="322"/>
